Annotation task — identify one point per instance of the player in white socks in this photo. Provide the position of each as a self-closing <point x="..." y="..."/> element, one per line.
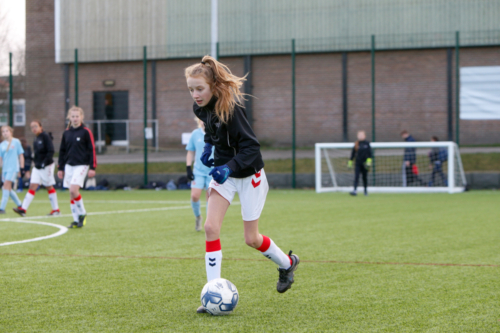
<point x="76" y="159"/>
<point x="238" y="166"/>
<point x="200" y="178"/>
<point x="12" y="158"/>
<point x="43" y="171"/>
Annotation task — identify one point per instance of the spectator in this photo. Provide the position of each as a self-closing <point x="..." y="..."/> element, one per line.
<point x="436" y="157"/>
<point x="410" y="174"/>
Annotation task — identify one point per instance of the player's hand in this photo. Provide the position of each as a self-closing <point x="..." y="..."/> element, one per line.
<point x="349" y="164"/>
<point x="91" y="173"/>
<point x="368" y="163"/>
<point x="189" y="171"/>
<point x="205" y="156"/>
<point x="407" y="163"/>
<point x="221" y="173"/>
<point x="60" y="174"/>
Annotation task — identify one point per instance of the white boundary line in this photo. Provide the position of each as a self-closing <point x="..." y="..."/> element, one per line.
<point x="62" y="231"/>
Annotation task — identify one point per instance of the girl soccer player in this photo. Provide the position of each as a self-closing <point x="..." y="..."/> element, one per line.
<point x="43" y="172"/>
<point x="363" y="153"/>
<point x="12" y="157"/>
<point x="200" y="178"/>
<point x="238" y="166"/>
<point x="76" y="159"/>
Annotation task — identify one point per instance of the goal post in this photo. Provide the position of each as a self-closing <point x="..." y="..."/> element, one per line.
<point x="397" y="167"/>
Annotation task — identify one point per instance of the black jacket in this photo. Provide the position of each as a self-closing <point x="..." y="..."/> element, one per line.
<point x="44" y="150"/>
<point x="363" y="153"/>
<point x="235" y="142"/>
<point x="27" y="157"/>
<point x="410" y="153"/>
<point x="77" y="148"/>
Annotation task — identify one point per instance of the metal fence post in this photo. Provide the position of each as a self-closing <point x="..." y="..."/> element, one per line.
<point x="457" y="87"/>
<point x="11" y="93"/>
<point x="76" y="77"/>
<point x="373" y="103"/>
<point x="293" y="114"/>
<point x="145" y="69"/>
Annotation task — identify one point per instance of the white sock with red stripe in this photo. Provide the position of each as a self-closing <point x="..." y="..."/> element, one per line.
<point x="28" y="199"/>
<point x="53" y="199"/>
<point x="79" y="204"/>
<point x="213" y="259"/>
<point x="273" y="252"/>
<point x="74" y="211"/>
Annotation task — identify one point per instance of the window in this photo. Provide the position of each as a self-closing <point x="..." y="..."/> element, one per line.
<point x="19" y="110"/>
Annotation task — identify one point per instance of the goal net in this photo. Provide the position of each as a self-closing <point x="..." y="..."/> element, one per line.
<point x="396" y="167"/>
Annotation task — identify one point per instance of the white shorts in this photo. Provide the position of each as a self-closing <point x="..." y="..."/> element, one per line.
<point x="43" y="176"/>
<point x="252" y="191"/>
<point x="75" y="175"/>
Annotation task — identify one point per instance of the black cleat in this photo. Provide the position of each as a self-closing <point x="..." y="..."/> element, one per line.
<point x="353" y="193"/>
<point x="286" y="275"/>
<point x="82" y="220"/>
<point x="201" y="309"/>
<point x="19" y="210"/>
<point x="73" y="225"/>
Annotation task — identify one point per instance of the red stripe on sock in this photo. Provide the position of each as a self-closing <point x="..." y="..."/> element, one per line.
<point x="266" y="243"/>
<point x="291" y="261"/>
<point x="72" y="202"/>
<point x="213" y="245"/>
<point x="51" y="191"/>
<point x="78" y="198"/>
<point x="31" y="192"/>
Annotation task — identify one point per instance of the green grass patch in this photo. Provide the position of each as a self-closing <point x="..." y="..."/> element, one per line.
<point x="143" y="271"/>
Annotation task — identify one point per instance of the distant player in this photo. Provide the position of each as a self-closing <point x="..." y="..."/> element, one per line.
<point x="12" y="158"/>
<point x="43" y="172"/>
<point x="238" y="166"/>
<point x="410" y="174"/>
<point x="76" y="159"/>
<point x="363" y="154"/>
<point x="437" y="156"/>
<point x="200" y="178"/>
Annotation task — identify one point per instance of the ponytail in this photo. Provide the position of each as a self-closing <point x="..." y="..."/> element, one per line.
<point x="224" y="85"/>
<point x="356" y="145"/>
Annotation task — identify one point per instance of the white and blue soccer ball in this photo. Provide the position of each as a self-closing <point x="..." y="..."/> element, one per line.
<point x="219" y="297"/>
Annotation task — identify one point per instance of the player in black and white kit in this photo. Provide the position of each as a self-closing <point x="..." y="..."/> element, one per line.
<point x="76" y="159"/>
<point x="43" y="171"/>
<point x="238" y="166"/>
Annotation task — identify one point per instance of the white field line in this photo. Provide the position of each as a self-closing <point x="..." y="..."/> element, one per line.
<point x="124" y="202"/>
<point x="62" y="230"/>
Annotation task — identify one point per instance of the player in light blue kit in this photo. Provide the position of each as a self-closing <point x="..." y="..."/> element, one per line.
<point x="11" y="154"/>
<point x="200" y="179"/>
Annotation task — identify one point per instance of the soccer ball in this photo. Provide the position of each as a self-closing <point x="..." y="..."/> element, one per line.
<point x="219" y="297"/>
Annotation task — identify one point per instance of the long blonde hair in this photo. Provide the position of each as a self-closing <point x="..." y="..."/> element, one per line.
<point x="224" y="85"/>
<point x="74" y="108"/>
<point x="12" y="136"/>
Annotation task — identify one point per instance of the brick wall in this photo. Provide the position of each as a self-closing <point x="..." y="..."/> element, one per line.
<point x="411" y="91"/>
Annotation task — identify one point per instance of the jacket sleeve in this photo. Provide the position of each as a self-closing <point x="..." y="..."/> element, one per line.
<point x="50" y="151"/>
<point x="370" y="151"/>
<point x="248" y="146"/>
<point x="208" y="138"/>
<point x="91" y="149"/>
<point x="353" y="152"/>
<point x="62" y="154"/>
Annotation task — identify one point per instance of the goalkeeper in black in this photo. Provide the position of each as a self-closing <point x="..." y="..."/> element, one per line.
<point x="363" y="154"/>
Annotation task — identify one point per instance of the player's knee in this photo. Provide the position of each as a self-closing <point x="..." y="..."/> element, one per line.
<point x="252" y="241"/>
<point x="210" y="229"/>
<point x="195" y="198"/>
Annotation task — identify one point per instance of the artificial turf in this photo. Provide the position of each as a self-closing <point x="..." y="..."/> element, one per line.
<point x="382" y="263"/>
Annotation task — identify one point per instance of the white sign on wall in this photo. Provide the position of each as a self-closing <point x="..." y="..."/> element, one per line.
<point x="480" y="93"/>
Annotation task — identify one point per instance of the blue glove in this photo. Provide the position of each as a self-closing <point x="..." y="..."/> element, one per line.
<point x="221" y="173"/>
<point x="205" y="156"/>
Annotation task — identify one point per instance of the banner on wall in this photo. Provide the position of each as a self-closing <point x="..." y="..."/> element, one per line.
<point x="480" y="93"/>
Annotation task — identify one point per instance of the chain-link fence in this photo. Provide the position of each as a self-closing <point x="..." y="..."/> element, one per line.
<point x="306" y="91"/>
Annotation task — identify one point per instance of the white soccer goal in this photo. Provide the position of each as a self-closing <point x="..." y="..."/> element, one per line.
<point x="437" y="167"/>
